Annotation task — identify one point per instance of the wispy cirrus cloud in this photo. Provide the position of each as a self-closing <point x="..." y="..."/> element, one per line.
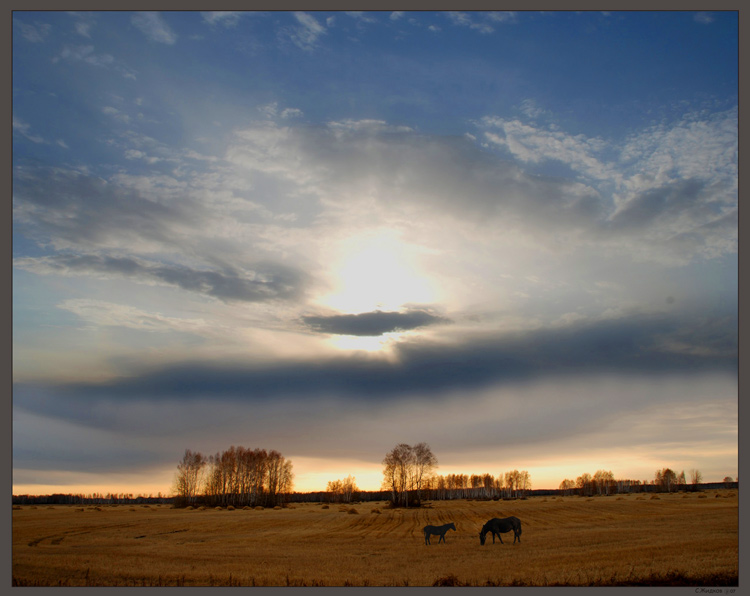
<point x="361" y="16"/>
<point x="704" y="18"/>
<point x="677" y="182"/>
<point x="83" y="23"/>
<point x="100" y="313"/>
<point x="24" y="129"/>
<point x="84" y="54"/>
<point x="533" y="144"/>
<point x="153" y="26"/>
<point x="307" y="32"/>
<point x="224" y="18"/>
<point x="36" y="33"/>
<point x="482" y="21"/>
<point x="267" y="282"/>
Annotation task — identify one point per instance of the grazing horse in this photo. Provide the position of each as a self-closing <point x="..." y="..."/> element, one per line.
<point x="437" y="530"/>
<point x="499" y="526"/>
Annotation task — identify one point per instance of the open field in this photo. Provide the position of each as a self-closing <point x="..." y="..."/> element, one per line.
<point x="678" y="539"/>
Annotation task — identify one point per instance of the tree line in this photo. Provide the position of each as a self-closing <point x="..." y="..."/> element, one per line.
<point x="603" y="482"/>
<point x="250" y="477"/>
<point x="409" y="475"/>
<point x="94" y="498"/>
<point x="236" y="476"/>
<point x="513" y="484"/>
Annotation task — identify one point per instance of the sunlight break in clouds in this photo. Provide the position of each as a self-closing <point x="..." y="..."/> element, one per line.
<point x="377" y="271"/>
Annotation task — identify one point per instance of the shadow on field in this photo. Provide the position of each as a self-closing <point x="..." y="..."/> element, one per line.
<point x="671" y="578"/>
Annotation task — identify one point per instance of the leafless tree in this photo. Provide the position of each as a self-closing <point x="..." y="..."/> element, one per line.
<point x="476" y="483"/>
<point x="567" y="486"/>
<point x="488" y="484"/>
<point x="240" y="476"/>
<point x="604" y="480"/>
<point x="342" y="491"/>
<point x="665" y="479"/>
<point x="188" y="477"/>
<point x="511" y="479"/>
<point x="524" y="482"/>
<point x="405" y="469"/>
<point x="425" y="463"/>
<point x="584" y="484"/>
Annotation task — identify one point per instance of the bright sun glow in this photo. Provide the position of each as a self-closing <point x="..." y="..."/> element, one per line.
<point x="365" y="343"/>
<point x="377" y="271"/>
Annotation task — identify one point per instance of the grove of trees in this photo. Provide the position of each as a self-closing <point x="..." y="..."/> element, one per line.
<point x="405" y="471"/>
<point x="342" y="491"/>
<point x="409" y="476"/>
<point x="236" y="476"/>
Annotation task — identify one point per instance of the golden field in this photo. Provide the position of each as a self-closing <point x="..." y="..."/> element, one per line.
<point x="676" y="539"/>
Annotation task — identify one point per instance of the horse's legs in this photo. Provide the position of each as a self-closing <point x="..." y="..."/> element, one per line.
<point x="426" y="537"/>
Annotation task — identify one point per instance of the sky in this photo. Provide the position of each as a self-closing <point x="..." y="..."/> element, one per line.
<point x="511" y="235"/>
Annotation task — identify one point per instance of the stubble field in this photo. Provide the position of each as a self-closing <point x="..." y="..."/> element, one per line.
<point x="677" y="539"/>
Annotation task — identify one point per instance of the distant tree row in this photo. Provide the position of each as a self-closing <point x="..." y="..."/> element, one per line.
<point x="236" y="476"/>
<point x="510" y="485"/>
<point x="409" y="475"/>
<point x="604" y="483"/>
<point x="95" y="498"/>
<point x="342" y="491"/>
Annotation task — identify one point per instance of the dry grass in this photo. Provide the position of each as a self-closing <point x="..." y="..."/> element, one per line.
<point x="671" y="541"/>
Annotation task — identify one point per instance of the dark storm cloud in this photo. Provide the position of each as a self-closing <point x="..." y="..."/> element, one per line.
<point x="636" y="345"/>
<point x="372" y="323"/>
<point x="268" y="282"/>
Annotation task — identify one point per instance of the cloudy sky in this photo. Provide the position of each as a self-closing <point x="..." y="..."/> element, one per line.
<point x="510" y="235"/>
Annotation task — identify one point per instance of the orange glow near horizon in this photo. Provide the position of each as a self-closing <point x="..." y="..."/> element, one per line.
<point x="313" y="475"/>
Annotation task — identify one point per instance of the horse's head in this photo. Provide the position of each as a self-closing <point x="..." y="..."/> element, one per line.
<point x="482" y="537"/>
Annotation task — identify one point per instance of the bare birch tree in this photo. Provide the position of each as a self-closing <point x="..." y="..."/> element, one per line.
<point x="405" y="469"/>
<point x="188" y="478"/>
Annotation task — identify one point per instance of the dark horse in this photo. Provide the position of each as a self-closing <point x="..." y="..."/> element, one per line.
<point x="500" y="526"/>
<point x="437" y="530"/>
